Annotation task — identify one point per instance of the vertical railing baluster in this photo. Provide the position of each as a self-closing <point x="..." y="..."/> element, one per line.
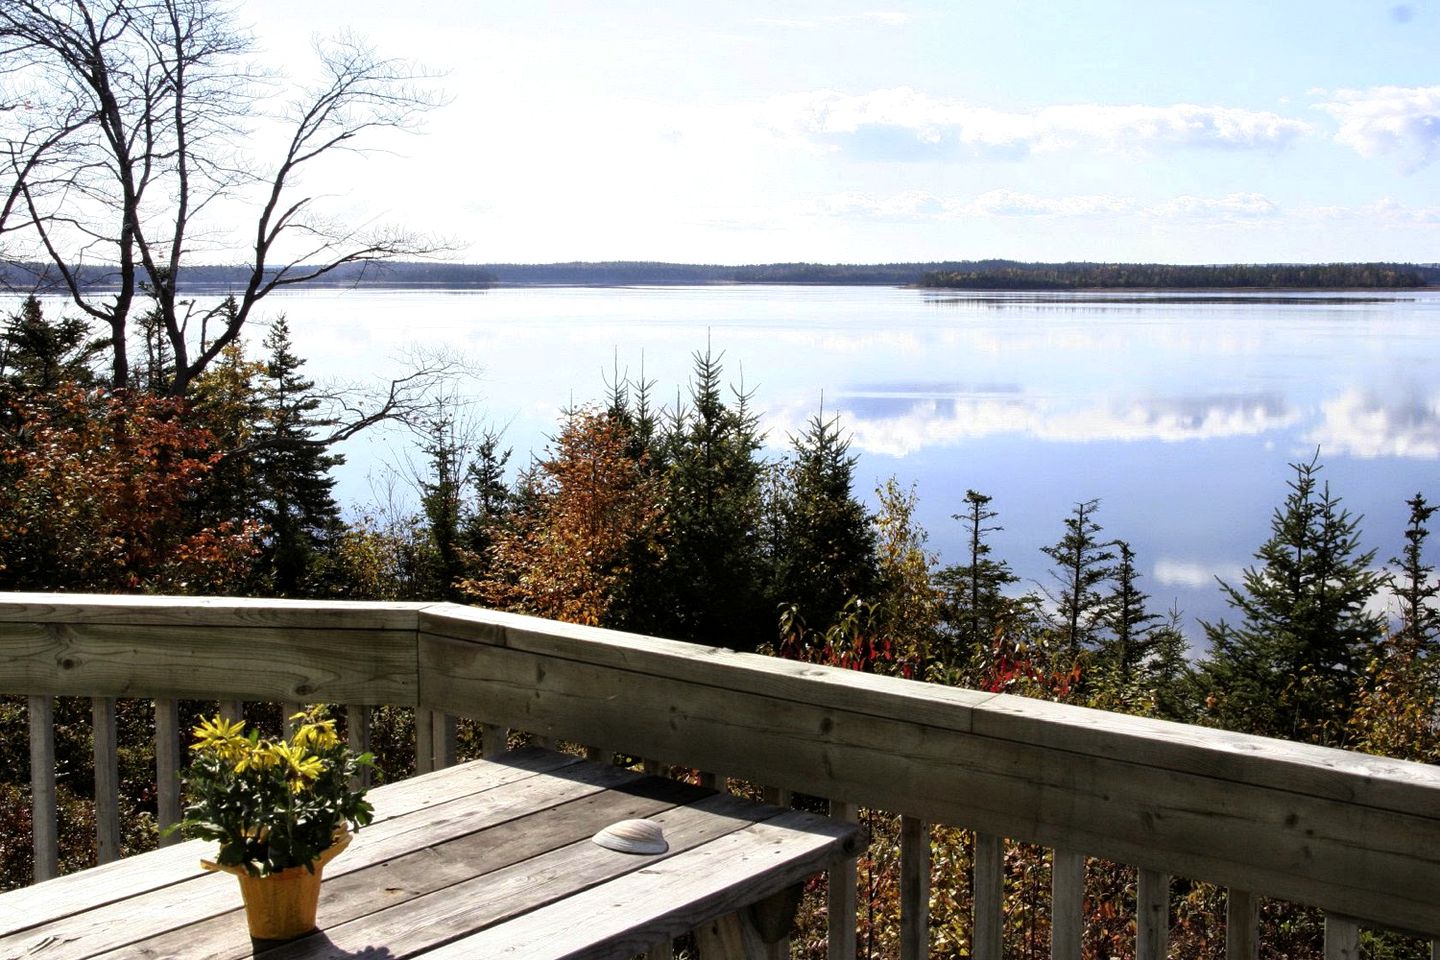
<point x="1435" y="950"/>
<point x="1342" y="938"/>
<point x="776" y="796"/>
<point x="841" y="895"/>
<point x="445" y="737"/>
<point x="914" y="889"/>
<point x="424" y="741"/>
<point x="232" y="711"/>
<point x="661" y="951"/>
<point x="167" y="769"/>
<point x="288" y="709"/>
<point x="989" y="897"/>
<point x="544" y="743"/>
<point x="107" y="780"/>
<point x="1242" y="941"/>
<point x="44" y="826"/>
<point x="1152" y="915"/>
<point x="598" y="755"/>
<point x="493" y="740"/>
<point x="1067" y="905"/>
<point x="357" y="734"/>
<point x="709" y="780"/>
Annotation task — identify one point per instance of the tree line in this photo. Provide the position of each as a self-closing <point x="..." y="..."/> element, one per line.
<point x="1007" y="275"/>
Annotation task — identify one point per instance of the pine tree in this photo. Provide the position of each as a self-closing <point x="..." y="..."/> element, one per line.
<point x="292" y="470"/>
<point x="1083" y="564"/>
<point x="38" y="354"/>
<point x="1291" y="666"/>
<point x="825" y="553"/>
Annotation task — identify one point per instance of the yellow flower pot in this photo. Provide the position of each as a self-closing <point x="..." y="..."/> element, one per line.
<point x="281" y="906"/>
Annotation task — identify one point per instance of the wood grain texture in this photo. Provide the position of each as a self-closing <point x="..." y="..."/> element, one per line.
<point x="192" y="612"/>
<point x="1152" y="915"/>
<point x="1342" y="938"/>
<point x="44" y="825"/>
<point x="666" y="898"/>
<point x="168" y="806"/>
<point x="1242" y="914"/>
<point x="989" y="897"/>
<point x="914" y="889"/>
<point x="107" y="780"/>
<point x="239" y="662"/>
<point x="1067" y="903"/>
<point x="841" y="895"/>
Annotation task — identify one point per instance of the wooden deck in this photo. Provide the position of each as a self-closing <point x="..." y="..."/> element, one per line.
<point x="1350" y="834"/>
<point x="485" y="859"/>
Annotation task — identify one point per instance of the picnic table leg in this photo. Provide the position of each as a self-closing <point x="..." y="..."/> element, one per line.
<point x="758" y="932"/>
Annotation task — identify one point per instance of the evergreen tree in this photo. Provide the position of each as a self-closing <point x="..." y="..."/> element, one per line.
<point x="710" y="588"/>
<point x="1083" y="564"/>
<point x="1415" y="588"/>
<point x="825" y="554"/>
<point x="975" y="591"/>
<point x="38" y="354"/>
<point x="292" y="470"/>
<point x="441" y="495"/>
<point x="1131" y="640"/>
<point x="1290" y="667"/>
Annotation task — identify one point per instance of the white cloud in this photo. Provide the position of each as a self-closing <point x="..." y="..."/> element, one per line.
<point x="1358" y="424"/>
<point x="902" y="118"/>
<point x="1232" y="205"/>
<point x="898" y="426"/>
<point x="1189" y="573"/>
<point x="1389" y="120"/>
<point x="1007" y="203"/>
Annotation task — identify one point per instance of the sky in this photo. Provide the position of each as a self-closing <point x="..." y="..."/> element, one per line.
<point x="745" y="132"/>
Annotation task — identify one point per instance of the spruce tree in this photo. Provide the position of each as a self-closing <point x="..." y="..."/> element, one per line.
<point x="1083" y="564"/>
<point x="975" y="591"/>
<point x="1132" y="628"/>
<point x="711" y="586"/>
<point x="292" y="470"/>
<point x="38" y="354"/>
<point x="825" y="554"/>
<point x="1415" y="588"/>
<point x="1290" y="667"/>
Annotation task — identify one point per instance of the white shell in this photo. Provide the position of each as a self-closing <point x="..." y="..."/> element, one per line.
<point x="633" y="836"/>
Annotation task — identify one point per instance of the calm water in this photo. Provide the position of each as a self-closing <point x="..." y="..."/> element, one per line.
<point x="1178" y="412"/>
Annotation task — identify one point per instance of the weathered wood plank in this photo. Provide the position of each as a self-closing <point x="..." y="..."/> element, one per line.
<point x="232" y="711"/>
<point x="1152" y="915"/>
<point x="192" y="612"/>
<point x="1242" y="914"/>
<point x="445" y="738"/>
<point x="246" y="663"/>
<point x="357" y="737"/>
<point x="914" y="889"/>
<point x="841" y="894"/>
<point x="424" y="741"/>
<point x="989" y="897"/>
<point x="1317" y="771"/>
<point x="494" y="740"/>
<point x="74" y="893"/>
<point x="107" y="780"/>
<point x="167" y="769"/>
<point x="1342" y="938"/>
<point x="1067" y="905"/>
<point x="425" y="820"/>
<point x="430" y="865"/>
<point x="666" y="898"/>
<point x="44" y="828"/>
<point x="1305" y="848"/>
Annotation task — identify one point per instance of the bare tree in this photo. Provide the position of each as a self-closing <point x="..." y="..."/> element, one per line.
<point x="126" y="129"/>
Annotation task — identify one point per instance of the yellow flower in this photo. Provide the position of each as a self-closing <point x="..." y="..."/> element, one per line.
<point x="221" y="737"/>
<point x="302" y="765"/>
<point x="319" y="735"/>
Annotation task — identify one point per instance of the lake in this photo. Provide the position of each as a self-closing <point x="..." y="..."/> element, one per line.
<point x="1179" y="412"/>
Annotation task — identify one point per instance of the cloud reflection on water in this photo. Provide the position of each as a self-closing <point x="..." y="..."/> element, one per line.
<point x="1361" y="423"/>
<point x="901" y="419"/>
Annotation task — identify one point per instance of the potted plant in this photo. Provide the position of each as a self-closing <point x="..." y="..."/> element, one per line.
<point x="280" y="809"/>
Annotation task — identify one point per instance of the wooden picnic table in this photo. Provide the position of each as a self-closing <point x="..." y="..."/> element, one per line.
<point x="491" y="858"/>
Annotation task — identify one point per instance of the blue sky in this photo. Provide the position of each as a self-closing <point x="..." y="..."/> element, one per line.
<point x="745" y="132"/>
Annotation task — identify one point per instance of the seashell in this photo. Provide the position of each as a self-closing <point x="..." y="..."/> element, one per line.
<point x="633" y="836"/>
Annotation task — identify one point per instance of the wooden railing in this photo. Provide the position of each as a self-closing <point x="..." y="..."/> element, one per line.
<point x="1357" y="836"/>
